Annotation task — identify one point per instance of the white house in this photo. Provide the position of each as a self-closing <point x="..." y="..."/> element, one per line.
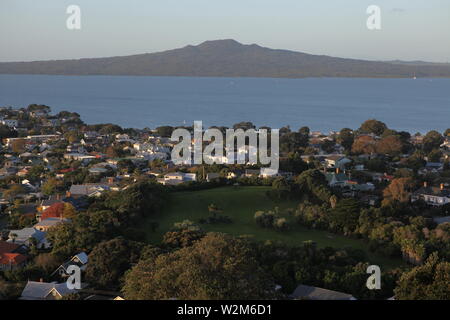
<point x="79" y="260"/>
<point x="337" y="161"/>
<point x="175" y="178"/>
<point x="432" y="196"/>
<point x="45" y="291"/>
<point x="268" y="173"/>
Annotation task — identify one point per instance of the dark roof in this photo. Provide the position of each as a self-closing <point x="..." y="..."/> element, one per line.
<point x="78" y="203"/>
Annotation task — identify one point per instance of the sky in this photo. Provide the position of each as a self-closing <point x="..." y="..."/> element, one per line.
<point x="410" y="29"/>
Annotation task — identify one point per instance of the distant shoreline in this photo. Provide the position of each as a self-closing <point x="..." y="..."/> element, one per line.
<point x="229" y="58"/>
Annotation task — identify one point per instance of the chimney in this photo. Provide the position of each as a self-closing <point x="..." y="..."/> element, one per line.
<point x="442" y="187"/>
<point x="425" y="184"/>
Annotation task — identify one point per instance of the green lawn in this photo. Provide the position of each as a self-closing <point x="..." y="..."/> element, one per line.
<point x="240" y="204"/>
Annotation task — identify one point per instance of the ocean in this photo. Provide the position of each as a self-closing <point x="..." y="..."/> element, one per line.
<point x="323" y="104"/>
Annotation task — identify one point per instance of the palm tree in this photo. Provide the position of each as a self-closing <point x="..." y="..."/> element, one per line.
<point x="13" y="236"/>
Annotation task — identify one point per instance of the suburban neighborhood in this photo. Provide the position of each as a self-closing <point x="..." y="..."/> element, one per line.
<point x="110" y="201"/>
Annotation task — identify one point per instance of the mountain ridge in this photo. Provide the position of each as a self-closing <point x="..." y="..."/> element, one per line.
<point x="228" y="58"/>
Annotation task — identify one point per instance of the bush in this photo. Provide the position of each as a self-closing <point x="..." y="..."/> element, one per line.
<point x="264" y="219"/>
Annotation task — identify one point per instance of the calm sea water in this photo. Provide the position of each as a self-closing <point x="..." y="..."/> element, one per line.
<point x="322" y="104"/>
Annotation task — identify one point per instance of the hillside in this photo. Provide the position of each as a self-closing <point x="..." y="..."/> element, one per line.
<point x="227" y="58"/>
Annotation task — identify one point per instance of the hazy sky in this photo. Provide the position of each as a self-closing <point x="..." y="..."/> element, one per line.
<point x="411" y="29"/>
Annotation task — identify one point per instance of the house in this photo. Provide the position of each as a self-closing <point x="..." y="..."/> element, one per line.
<point x="432" y="196"/>
<point x="268" y="173"/>
<point x="98" y="170"/>
<point x="45" y="291"/>
<point x="432" y="167"/>
<point x="48" y="223"/>
<point x="12" y="261"/>
<point x="45" y="204"/>
<point x="315" y="293"/>
<point x="91" y="135"/>
<point x="24" y="236"/>
<point x="79" y="260"/>
<point x="90" y="189"/>
<point x="10" y="256"/>
<point x="7" y="172"/>
<point x="336" y="179"/>
<point x="381" y="177"/>
<point x="79" y="157"/>
<point x="337" y="161"/>
<point x="212" y="176"/>
<point x="175" y="178"/>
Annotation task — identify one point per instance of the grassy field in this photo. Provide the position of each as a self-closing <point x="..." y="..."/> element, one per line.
<point x="240" y="204"/>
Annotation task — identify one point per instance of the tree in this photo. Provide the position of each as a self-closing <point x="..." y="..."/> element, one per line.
<point x="126" y="165"/>
<point x="447" y="133"/>
<point x="165" y="131"/>
<point x="109" y="260"/>
<point x="36" y="172"/>
<point x="280" y="188"/>
<point x="391" y="145"/>
<point x="435" y="155"/>
<point x="216" y="267"/>
<point x="398" y="190"/>
<point x="140" y="199"/>
<point x="364" y="145"/>
<point x="47" y="262"/>
<point x="293" y="141"/>
<point x="50" y="186"/>
<point x="293" y="163"/>
<point x="83" y="232"/>
<point x="9" y="290"/>
<point x="373" y="126"/>
<point x="6" y="132"/>
<point x="344" y="217"/>
<point x="265" y="219"/>
<point x="346" y="138"/>
<point x="182" y="238"/>
<point x="110" y="129"/>
<point x="427" y="282"/>
<point x="18" y="146"/>
<point x="304" y="131"/>
<point x="328" y="146"/>
<point x="13" y="191"/>
<point x="432" y="140"/>
<point x="314" y="184"/>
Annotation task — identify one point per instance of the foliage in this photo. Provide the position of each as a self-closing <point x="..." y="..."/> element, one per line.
<point x="427" y="282"/>
<point x="216" y="267"/>
<point x="109" y="260"/>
